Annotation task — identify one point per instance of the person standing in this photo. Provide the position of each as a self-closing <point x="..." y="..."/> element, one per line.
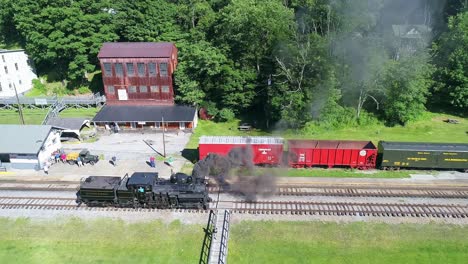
<point x="114" y="161"/>
<point x="46" y="169"/>
<point x="63" y="156"/>
<point x="78" y="161"/>
<point x="57" y="157"/>
<point x="152" y="162"/>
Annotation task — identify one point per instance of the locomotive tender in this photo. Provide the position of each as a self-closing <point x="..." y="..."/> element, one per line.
<point x="341" y="153"/>
<point x="144" y="190"/>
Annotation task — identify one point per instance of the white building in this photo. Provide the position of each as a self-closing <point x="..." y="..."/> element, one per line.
<point x="27" y="146"/>
<point x="16" y="70"/>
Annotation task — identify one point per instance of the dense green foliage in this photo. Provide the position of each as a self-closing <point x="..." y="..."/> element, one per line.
<point x="318" y="242"/>
<point x="292" y="63"/>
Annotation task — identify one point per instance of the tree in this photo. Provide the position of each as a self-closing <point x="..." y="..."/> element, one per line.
<point x="302" y="69"/>
<point x="65" y="35"/>
<point x="406" y="84"/>
<point x="451" y="60"/>
<point x="146" y="20"/>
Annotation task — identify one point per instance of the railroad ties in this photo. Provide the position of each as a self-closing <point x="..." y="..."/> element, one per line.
<point x="265" y="207"/>
<point x="352" y="209"/>
<point x="457" y="193"/>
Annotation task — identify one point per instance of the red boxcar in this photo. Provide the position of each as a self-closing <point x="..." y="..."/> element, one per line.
<point x="265" y="150"/>
<point x="331" y="153"/>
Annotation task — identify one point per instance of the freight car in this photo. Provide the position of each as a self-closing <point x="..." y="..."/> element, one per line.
<point x="260" y="150"/>
<point x="333" y="153"/>
<point x="144" y="190"/>
<point x="395" y="155"/>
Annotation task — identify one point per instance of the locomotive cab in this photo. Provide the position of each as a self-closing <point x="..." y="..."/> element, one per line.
<point x="141" y="185"/>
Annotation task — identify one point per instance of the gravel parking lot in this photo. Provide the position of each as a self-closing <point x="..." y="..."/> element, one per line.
<point x="132" y="146"/>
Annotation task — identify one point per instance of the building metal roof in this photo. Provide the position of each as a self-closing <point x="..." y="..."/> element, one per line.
<point x="67" y="123"/>
<point x="136" y="50"/>
<point x="240" y="140"/>
<point x="135" y="113"/>
<point x="23" y="139"/>
<point x="331" y="144"/>
<point x="418" y="146"/>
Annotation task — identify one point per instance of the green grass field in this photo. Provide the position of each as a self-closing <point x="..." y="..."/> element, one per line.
<point x="360" y="243"/>
<point x="36" y="116"/>
<point x="98" y="241"/>
<point x="31" y="116"/>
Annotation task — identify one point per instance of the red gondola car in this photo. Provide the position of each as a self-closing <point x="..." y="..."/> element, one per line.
<point x="332" y="153"/>
<point x="263" y="150"/>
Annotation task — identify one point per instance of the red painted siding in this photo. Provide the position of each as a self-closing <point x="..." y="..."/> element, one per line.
<point x="354" y="154"/>
<point x="155" y="96"/>
<point x="262" y="153"/>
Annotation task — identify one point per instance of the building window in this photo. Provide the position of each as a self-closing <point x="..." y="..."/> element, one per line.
<point x="152" y="69"/>
<point x="118" y="69"/>
<point x="130" y="69"/>
<point x="16" y="66"/>
<point x="154" y="89"/>
<point x="107" y="69"/>
<point x="110" y="89"/>
<point x="141" y="69"/>
<point x="143" y="89"/>
<point x="132" y="89"/>
<point x="6" y="69"/>
<point x="163" y="69"/>
<point x="165" y="89"/>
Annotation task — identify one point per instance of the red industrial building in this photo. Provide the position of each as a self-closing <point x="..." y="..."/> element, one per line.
<point x="136" y="73"/>
<point x="138" y="84"/>
<point x="263" y="150"/>
<point x="332" y="153"/>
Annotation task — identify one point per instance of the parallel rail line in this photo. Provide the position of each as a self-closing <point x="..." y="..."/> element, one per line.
<point x="292" y="190"/>
<point x="352" y="209"/>
<point x="267" y="207"/>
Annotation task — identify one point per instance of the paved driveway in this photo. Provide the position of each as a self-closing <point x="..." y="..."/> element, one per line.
<point x="132" y="146"/>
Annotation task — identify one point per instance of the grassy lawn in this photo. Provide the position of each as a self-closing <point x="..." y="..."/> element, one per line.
<point x="316" y="242"/>
<point x="31" y="116"/>
<point x="98" y="241"/>
<point x="431" y="128"/>
<point x="80" y="112"/>
<point x="36" y="116"/>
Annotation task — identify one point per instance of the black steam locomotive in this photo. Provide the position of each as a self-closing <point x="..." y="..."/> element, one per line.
<point x="144" y="190"/>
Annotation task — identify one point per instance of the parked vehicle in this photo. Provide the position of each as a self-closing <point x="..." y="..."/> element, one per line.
<point x="84" y="155"/>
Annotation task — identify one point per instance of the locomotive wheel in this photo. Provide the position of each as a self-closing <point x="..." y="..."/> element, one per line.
<point x="71" y="162"/>
<point x="92" y="162"/>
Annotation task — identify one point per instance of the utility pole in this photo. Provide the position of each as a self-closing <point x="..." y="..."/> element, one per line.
<point x="20" y="111"/>
<point x="164" y="138"/>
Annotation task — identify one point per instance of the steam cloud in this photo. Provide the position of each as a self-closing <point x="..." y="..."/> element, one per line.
<point x="236" y="173"/>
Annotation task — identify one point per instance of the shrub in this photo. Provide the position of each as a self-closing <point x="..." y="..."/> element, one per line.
<point x="84" y="90"/>
<point x="226" y="114"/>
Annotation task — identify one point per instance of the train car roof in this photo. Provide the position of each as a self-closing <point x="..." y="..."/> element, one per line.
<point x="330" y="144"/>
<point x="100" y="182"/>
<point x="142" y="178"/>
<point x="240" y="140"/>
<point x="424" y="146"/>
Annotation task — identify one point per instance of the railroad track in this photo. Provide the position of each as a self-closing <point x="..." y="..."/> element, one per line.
<point x="267" y="207"/>
<point x="350" y="209"/>
<point x="290" y="190"/>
